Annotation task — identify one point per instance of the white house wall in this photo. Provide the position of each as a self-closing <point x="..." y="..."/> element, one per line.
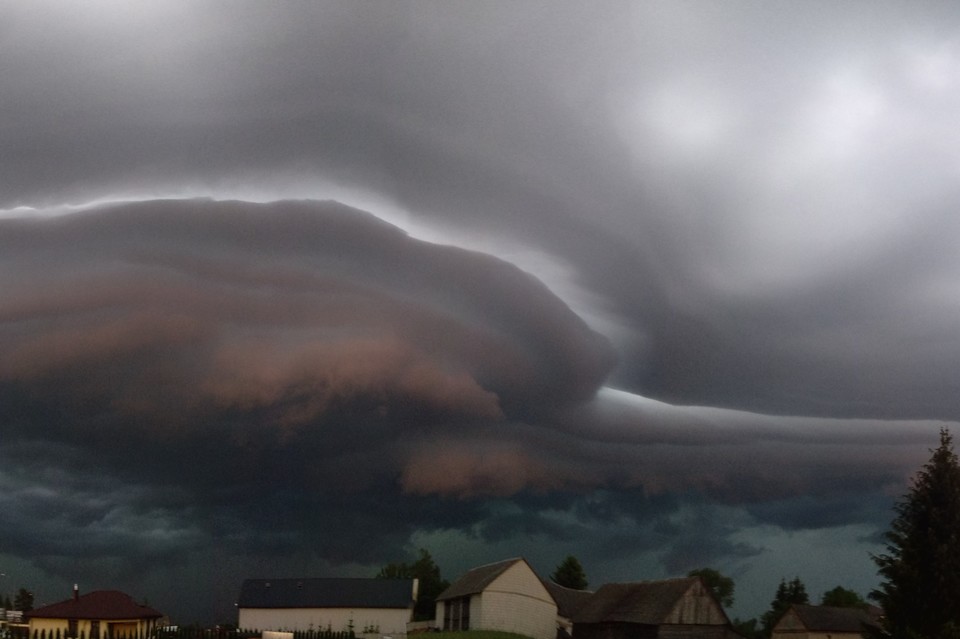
<point x="518" y="602"/>
<point x="697" y="606"/>
<point x="385" y="620"/>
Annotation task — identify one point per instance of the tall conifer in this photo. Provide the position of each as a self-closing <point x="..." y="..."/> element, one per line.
<point x="920" y="591"/>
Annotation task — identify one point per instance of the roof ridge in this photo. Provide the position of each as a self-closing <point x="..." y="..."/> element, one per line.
<point x="502" y="561"/>
<point x="554" y="583"/>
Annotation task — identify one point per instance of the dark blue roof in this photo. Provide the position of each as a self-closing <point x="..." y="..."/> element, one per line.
<point x="329" y="592"/>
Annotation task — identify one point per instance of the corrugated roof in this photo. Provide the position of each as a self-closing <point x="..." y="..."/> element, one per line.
<point x="828" y="618"/>
<point x="645" y="602"/>
<point x="476" y="580"/>
<point x="326" y="592"/>
<point x="569" y="601"/>
<point x="99" y="604"/>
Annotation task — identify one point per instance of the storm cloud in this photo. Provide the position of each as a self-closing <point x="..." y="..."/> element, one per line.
<point x="303" y="286"/>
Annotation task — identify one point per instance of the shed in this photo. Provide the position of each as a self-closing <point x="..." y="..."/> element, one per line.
<point x="506" y="595"/>
<point x="825" y="622"/>
<point x="668" y="609"/>
<point x="569" y="602"/>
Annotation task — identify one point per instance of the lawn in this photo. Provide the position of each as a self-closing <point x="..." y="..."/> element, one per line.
<point x="475" y="634"/>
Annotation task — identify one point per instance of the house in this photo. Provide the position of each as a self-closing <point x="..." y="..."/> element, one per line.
<point x="824" y="622"/>
<point x="569" y="602"/>
<point x="382" y="606"/>
<point x="101" y="614"/>
<point x="669" y="609"/>
<point x="507" y="595"/>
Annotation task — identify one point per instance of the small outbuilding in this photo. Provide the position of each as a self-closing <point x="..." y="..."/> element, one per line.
<point x="669" y="609"/>
<point x="825" y="622"/>
<point x="507" y="596"/>
<point x="383" y="606"/>
<point x="569" y="602"/>
<point x="101" y="614"/>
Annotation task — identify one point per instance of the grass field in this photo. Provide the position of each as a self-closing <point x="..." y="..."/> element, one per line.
<point x="475" y="634"/>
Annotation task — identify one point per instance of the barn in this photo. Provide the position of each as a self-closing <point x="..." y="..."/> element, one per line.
<point x="668" y="609"/>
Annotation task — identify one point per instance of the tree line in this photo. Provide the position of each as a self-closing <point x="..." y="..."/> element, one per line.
<point x="920" y="568"/>
<point x="22" y="601"/>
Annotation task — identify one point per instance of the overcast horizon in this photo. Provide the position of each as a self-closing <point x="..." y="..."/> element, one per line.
<point x="295" y="289"/>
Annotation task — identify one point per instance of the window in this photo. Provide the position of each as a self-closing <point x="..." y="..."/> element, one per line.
<point x="95" y="629"/>
<point x="72" y="628"/>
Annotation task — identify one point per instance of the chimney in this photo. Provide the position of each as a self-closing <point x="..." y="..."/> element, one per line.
<point x="76" y="592"/>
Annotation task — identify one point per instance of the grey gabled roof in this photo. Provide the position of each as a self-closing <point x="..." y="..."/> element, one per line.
<point x="328" y="592"/>
<point x="568" y="600"/>
<point x="644" y="602"/>
<point x="476" y="580"/>
<point x="828" y="618"/>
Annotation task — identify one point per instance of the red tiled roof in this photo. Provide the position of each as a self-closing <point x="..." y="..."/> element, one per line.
<point x="99" y="604"/>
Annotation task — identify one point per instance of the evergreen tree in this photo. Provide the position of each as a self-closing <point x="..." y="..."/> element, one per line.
<point x="23" y="600"/>
<point x="788" y="593"/>
<point x="840" y="597"/>
<point x="721" y="585"/>
<point x="569" y="573"/>
<point x="920" y="572"/>
<point x="431" y="584"/>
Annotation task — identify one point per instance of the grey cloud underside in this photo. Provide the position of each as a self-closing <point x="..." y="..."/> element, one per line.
<point x="262" y="324"/>
<point x="515" y="121"/>
<point x="195" y="370"/>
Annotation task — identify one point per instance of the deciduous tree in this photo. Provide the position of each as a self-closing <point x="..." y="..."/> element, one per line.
<point x="920" y="571"/>
<point x="840" y="597"/>
<point x="569" y="573"/>
<point x="426" y="571"/>
<point x="721" y="585"/>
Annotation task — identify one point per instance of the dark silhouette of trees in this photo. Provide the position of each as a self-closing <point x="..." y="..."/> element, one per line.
<point x="427" y="572"/>
<point x="841" y="597"/>
<point x="920" y="571"/>
<point x="23" y="600"/>
<point x="721" y="585"/>
<point x="569" y="573"/>
<point x="792" y="592"/>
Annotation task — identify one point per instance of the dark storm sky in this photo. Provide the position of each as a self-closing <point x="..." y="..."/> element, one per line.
<point x="296" y="288"/>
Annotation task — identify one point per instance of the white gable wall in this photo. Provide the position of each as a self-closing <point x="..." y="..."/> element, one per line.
<point x="518" y="602"/>
<point x="697" y="606"/>
<point x="391" y="621"/>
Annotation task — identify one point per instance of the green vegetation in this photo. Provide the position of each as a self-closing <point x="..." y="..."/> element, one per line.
<point x="788" y="592"/>
<point x="841" y="597"/>
<point x="921" y="568"/>
<point x="569" y="574"/>
<point x="431" y="583"/>
<point x="477" y="634"/>
<point x="721" y="586"/>
<point x="23" y="600"/>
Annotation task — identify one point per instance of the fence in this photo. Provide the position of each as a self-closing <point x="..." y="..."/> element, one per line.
<point x="190" y="632"/>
